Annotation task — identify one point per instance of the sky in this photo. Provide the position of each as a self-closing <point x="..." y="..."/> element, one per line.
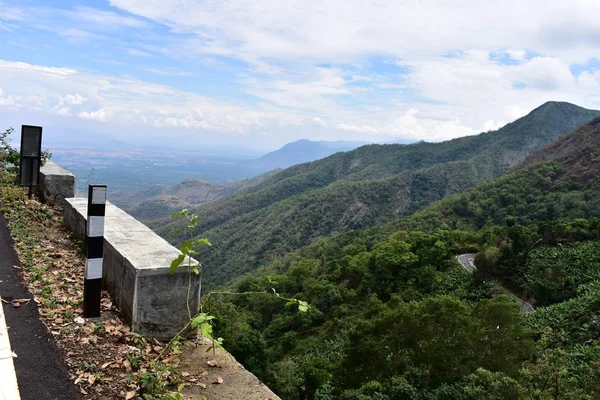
<point x="261" y="73"/>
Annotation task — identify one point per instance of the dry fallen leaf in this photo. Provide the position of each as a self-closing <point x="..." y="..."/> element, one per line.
<point x="218" y="380"/>
<point x="212" y="363"/>
<point x="185" y="374"/>
<point x="127" y="366"/>
<point x="202" y="385"/>
<point x="79" y="378"/>
<point x="129" y="395"/>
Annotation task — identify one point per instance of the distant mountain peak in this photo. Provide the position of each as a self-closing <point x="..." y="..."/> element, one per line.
<point x="301" y="151"/>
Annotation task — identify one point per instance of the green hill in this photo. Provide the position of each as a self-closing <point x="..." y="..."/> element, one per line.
<point x="362" y="188"/>
<point x="160" y="201"/>
<point x="393" y="316"/>
<point x="560" y="182"/>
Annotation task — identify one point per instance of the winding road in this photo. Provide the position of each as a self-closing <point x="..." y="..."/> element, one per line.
<point x="468" y="263"/>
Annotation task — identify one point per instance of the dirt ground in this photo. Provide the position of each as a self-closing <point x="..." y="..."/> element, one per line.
<point x="217" y="375"/>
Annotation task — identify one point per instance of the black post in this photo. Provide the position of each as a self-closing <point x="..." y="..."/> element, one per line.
<point x="94" y="244"/>
<point x="30" y="191"/>
<point x="30" y="156"/>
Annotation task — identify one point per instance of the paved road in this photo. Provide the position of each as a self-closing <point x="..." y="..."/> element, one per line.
<point x="467" y="261"/>
<point x="41" y="371"/>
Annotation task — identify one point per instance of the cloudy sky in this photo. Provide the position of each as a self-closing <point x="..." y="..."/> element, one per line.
<point x="262" y="73"/>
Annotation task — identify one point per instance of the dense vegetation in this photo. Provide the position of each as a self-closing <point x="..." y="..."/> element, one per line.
<point x="560" y="182"/>
<point x="393" y="316"/>
<point x="362" y="188"/>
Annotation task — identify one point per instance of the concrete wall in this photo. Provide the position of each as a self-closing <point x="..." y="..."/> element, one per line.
<point x="56" y="183"/>
<point x="136" y="271"/>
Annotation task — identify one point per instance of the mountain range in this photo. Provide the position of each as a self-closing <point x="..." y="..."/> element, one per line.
<point x="301" y="151"/>
<point x="393" y="314"/>
<point x="159" y="201"/>
<point x="370" y="185"/>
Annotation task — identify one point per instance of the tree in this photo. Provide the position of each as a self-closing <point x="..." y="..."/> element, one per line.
<point x="441" y="335"/>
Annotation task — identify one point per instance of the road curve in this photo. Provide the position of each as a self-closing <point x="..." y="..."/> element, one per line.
<point x="468" y="262"/>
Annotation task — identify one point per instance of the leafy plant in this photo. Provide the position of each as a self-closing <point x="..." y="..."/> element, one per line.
<point x="201" y="321"/>
<point x="9" y="158"/>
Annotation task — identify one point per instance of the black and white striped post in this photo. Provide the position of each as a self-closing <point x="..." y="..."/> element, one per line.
<point x="94" y="244"/>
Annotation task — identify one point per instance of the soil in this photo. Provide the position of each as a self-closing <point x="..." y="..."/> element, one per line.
<point x="217" y="375"/>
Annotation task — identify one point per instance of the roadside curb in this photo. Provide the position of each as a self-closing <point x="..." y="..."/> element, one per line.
<point x="9" y="389"/>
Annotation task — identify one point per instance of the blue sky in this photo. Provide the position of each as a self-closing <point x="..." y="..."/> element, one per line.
<point x="260" y="73"/>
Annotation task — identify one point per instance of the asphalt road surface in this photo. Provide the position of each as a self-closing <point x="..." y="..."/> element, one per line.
<point x="41" y="371"/>
<point x="467" y="261"/>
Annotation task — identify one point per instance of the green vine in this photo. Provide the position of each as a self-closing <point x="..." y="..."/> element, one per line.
<point x="201" y="321"/>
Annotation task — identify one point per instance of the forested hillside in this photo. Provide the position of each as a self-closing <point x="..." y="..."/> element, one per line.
<point x="394" y="316"/>
<point x="361" y="188"/>
<point x="560" y="182"/>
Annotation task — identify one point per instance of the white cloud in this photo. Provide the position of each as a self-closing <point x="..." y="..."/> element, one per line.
<point x="98" y="115"/>
<point x="94" y="16"/>
<point x="168" y="71"/>
<point x="21" y="66"/>
<point x="346" y="29"/>
<point x="415" y="126"/>
<point x="64" y="111"/>
<point x="493" y="125"/>
<point x="476" y="90"/>
<point x="544" y="73"/>
<point x="271" y="59"/>
<point x="589" y="80"/>
<point x="79" y="35"/>
<point x="75" y="99"/>
<point x="458" y="85"/>
<point x="355" y="128"/>
<point x="127" y="101"/>
<point x="136" y="52"/>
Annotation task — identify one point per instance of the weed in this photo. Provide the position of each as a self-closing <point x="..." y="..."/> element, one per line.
<point x="135" y="359"/>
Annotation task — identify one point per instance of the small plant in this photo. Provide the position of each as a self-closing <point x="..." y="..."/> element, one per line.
<point x="97" y="328"/>
<point x="85" y="366"/>
<point x="158" y="383"/>
<point x="202" y="321"/>
<point x="135" y="359"/>
<point x="50" y="303"/>
<point x="9" y="156"/>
